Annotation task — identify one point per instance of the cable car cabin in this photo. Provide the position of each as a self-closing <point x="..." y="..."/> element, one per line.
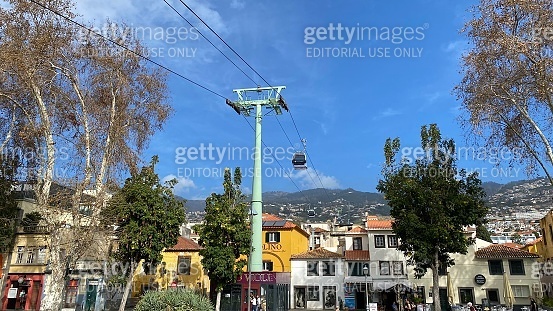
<point x="311" y="213"/>
<point x="299" y="161"/>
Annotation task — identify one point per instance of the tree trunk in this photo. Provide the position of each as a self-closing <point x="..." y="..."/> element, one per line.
<point x="127" y="288"/>
<point x="53" y="290"/>
<point x="218" y="303"/>
<point x="436" y="283"/>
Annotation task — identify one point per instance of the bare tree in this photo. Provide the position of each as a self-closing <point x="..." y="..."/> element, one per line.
<point x="507" y="90"/>
<point x="84" y="111"/>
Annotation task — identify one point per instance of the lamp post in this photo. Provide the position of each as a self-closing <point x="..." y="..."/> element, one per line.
<point x="366" y="274"/>
<point x="252" y="213"/>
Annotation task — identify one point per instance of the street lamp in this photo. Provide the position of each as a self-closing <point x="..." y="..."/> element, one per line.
<point x="366" y="274"/>
<point x="252" y="213"/>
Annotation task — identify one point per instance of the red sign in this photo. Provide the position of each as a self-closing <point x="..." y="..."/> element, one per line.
<point x="258" y="277"/>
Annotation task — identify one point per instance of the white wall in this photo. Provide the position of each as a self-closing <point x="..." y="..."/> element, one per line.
<point x="299" y="278"/>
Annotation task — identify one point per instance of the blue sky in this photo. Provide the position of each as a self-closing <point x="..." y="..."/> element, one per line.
<point x="345" y="107"/>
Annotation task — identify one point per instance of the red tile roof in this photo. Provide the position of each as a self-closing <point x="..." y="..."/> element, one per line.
<point x="379" y="224"/>
<point x="184" y="244"/>
<point x="358" y="230"/>
<point x="513" y="245"/>
<point x="357" y="255"/>
<point x="320" y="230"/>
<point x="498" y="251"/>
<point x="318" y="253"/>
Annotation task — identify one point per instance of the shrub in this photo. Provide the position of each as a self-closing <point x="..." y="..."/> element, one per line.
<point x="174" y="300"/>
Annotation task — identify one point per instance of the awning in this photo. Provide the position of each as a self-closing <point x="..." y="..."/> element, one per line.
<point x="394" y="285"/>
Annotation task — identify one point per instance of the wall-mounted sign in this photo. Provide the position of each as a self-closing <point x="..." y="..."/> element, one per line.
<point x="12" y="293"/>
<point x="479" y="279"/>
<point x="273" y="247"/>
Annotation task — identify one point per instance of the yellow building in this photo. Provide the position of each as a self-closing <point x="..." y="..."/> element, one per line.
<point x="281" y="239"/>
<point x="180" y="267"/>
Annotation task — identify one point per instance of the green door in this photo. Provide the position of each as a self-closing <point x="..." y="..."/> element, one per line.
<point x="444" y="300"/>
<point x="91" y="292"/>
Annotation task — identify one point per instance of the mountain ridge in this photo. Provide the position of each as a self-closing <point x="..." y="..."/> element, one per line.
<point x="349" y="205"/>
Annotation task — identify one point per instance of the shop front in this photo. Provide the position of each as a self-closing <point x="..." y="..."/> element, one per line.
<point x="272" y="287"/>
<point x="23" y="291"/>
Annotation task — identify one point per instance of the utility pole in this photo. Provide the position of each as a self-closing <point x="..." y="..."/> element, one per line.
<point x="249" y="101"/>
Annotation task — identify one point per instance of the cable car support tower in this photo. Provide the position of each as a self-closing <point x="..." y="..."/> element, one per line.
<point x="269" y="98"/>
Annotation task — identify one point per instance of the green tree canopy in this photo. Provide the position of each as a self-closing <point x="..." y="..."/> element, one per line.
<point x="483" y="233"/>
<point x="8" y="205"/>
<point x="225" y="234"/>
<point x="431" y="201"/>
<point x="148" y="219"/>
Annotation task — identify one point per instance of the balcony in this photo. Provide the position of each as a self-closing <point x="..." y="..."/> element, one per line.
<point x="33" y="229"/>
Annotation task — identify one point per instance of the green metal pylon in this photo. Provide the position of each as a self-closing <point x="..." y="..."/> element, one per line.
<point x="270" y="98"/>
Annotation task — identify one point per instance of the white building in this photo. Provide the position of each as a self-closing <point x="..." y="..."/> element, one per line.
<point x="478" y="276"/>
<point x="388" y="270"/>
<point x="317" y="279"/>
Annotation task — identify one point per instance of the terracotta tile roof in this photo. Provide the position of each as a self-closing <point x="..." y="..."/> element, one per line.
<point x="499" y="251"/>
<point x="318" y="253"/>
<point x="320" y="230"/>
<point x="184" y="244"/>
<point x="379" y="224"/>
<point x="513" y="245"/>
<point x="358" y="230"/>
<point x="358" y="255"/>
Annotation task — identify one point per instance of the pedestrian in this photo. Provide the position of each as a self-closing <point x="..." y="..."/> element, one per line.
<point x="533" y="305"/>
<point x="258" y="300"/>
<point x="254" y="302"/>
<point x="471" y="307"/>
<point x="408" y="306"/>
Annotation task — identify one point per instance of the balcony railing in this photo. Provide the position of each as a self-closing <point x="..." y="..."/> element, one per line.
<point x="33" y="229"/>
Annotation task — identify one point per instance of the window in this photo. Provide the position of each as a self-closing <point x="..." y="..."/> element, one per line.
<point x="19" y="258"/>
<point x="272" y="237"/>
<point x="521" y="290"/>
<point x="356" y="268"/>
<point x="183" y="266"/>
<point x="379" y="241"/>
<point x="466" y="295"/>
<point x="516" y="267"/>
<point x="384" y="268"/>
<point x="71" y="293"/>
<point x="495" y="267"/>
<point x="313" y="293"/>
<point x="317" y="240"/>
<point x="442" y="269"/>
<point x="30" y="256"/>
<point x="312" y="268"/>
<point x="329" y="268"/>
<point x="267" y="265"/>
<point x="421" y="292"/>
<point x="398" y="267"/>
<point x="493" y="295"/>
<point x="41" y="256"/>
<point x="357" y="243"/>
<point x="392" y="241"/>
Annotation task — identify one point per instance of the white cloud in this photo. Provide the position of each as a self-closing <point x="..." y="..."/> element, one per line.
<point x="387" y="113"/>
<point x="183" y="185"/>
<point x="308" y="179"/>
<point x="237" y="4"/>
